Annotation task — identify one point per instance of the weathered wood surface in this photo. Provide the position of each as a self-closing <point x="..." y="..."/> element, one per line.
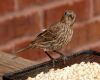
<point x="8" y="64"/>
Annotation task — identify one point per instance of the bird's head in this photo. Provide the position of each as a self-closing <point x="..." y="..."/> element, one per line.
<point x="68" y="17"/>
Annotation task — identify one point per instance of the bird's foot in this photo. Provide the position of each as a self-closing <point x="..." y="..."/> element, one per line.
<point x="64" y="58"/>
<point x="53" y="61"/>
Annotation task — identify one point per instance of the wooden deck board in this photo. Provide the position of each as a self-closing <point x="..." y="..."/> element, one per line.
<point x="8" y="64"/>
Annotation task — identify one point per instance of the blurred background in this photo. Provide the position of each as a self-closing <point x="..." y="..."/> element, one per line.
<point x="22" y="20"/>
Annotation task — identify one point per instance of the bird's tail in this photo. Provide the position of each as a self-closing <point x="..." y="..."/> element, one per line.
<point x="18" y="52"/>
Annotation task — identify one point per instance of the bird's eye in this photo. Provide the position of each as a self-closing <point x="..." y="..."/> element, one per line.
<point x="65" y="13"/>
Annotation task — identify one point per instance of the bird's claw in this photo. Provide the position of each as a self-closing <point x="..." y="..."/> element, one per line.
<point x="53" y="62"/>
<point x="64" y="58"/>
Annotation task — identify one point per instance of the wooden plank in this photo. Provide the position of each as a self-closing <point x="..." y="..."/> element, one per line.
<point x="8" y="64"/>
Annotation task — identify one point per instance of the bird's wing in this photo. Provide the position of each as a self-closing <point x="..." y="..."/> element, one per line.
<point x="46" y="36"/>
<point x="49" y="35"/>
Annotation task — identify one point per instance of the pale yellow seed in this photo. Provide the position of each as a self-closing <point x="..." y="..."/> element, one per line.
<point x="82" y="71"/>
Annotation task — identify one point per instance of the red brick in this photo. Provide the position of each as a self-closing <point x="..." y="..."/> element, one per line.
<point x="19" y="26"/>
<point x="44" y="1"/>
<point x="25" y="3"/>
<point x="26" y="25"/>
<point x="80" y="35"/>
<point x="28" y="3"/>
<point x="3" y="34"/>
<point x="6" y="6"/>
<point x="37" y="54"/>
<point x="20" y="45"/>
<point x="81" y="8"/>
<point x="93" y="31"/>
<point x="96" y="48"/>
<point x="16" y="44"/>
<point x="96" y="7"/>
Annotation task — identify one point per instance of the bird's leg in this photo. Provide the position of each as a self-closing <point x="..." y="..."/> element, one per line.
<point x="53" y="60"/>
<point x="62" y="55"/>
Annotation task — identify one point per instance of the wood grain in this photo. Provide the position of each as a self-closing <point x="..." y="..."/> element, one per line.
<point x="8" y="64"/>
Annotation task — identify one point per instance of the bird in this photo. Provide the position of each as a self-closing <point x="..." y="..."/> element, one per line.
<point x="55" y="37"/>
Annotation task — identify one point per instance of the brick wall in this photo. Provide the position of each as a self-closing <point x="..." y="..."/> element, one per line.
<point x="22" y="20"/>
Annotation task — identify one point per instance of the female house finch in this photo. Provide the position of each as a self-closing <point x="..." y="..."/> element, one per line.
<point x="55" y="36"/>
